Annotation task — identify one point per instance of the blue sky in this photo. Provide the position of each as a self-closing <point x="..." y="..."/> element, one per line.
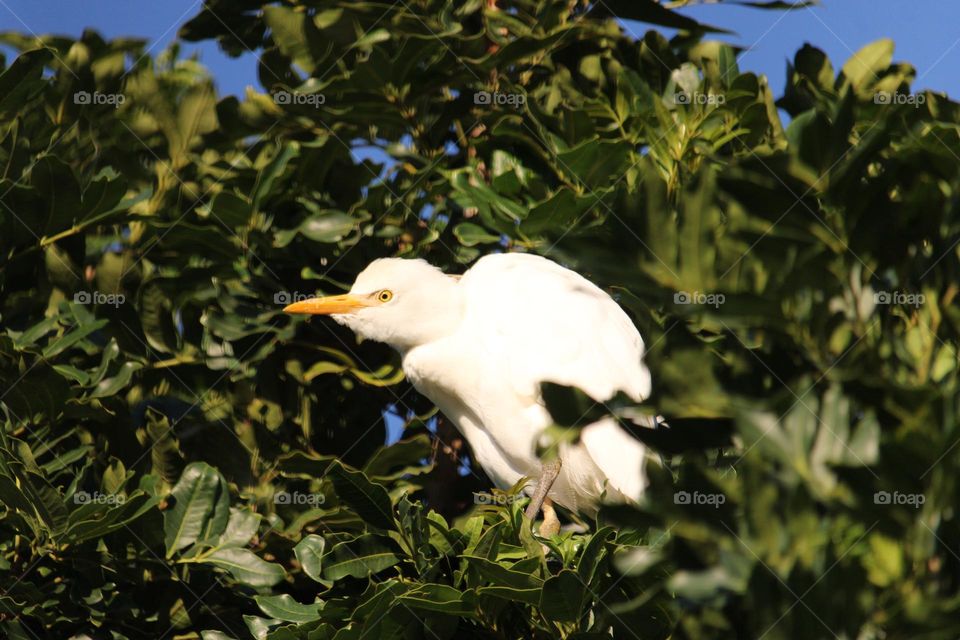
<point x="925" y="33"/>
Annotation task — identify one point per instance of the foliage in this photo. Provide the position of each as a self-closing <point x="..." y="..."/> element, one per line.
<point x="178" y="458"/>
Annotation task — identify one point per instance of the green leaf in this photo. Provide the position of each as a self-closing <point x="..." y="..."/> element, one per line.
<point x="81" y="377"/>
<point x="809" y="135"/>
<point x="325" y="226"/>
<point x="215" y="635"/>
<point x="438" y="597"/>
<point x="108" y="355"/>
<point x="157" y="319"/>
<point x="47" y="502"/>
<point x="885" y="560"/>
<point x="12" y="629"/>
<point x="309" y="553"/>
<point x="246" y="567"/>
<point x="54" y="178"/>
<point x="702" y="586"/>
<point x="165" y="455"/>
<point x="500" y="575"/>
<point x="718" y="61"/>
<point x="71" y="338"/>
<point x="868" y="63"/>
<point x="13" y="495"/>
<point x="492" y="206"/>
<point x="593" y="162"/>
<point x="284" y="607"/>
<point x="110" y="386"/>
<point x="272" y="171"/>
<point x="569" y="406"/>
<point x="200" y="510"/>
<point x="815" y="65"/>
<point x="370" y="500"/>
<point x="360" y="557"/>
<point x="196" y="116"/>
<point x="231" y="209"/>
<point x="38" y="393"/>
<point x="563" y="597"/>
<point x="241" y="527"/>
<point x="102" y="197"/>
<point x="470" y="234"/>
<point x="259" y="627"/>
<point x="103" y="519"/>
<point x="22" y="79"/>
<point x="289" y="30"/>
<point x="35" y="332"/>
<point x="561" y="209"/>
<point x="300" y="464"/>
<point x="402" y="457"/>
<point x="592" y="554"/>
<point x="511" y="594"/>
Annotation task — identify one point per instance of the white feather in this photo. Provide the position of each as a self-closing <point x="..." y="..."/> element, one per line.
<point x="525" y="320"/>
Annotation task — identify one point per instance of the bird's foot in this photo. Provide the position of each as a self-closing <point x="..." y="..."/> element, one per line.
<point x="551" y="523"/>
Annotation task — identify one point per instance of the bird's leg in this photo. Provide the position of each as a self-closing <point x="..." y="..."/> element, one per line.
<point x="548" y="473"/>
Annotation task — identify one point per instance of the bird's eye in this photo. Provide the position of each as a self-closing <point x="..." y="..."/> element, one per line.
<point x="385" y="296"/>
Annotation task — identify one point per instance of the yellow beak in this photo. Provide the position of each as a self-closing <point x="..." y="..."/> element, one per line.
<point x="345" y="303"/>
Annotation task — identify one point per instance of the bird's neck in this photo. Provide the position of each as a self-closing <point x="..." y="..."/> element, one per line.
<point x="441" y="311"/>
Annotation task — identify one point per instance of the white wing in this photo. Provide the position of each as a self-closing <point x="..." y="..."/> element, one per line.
<point x="542" y="322"/>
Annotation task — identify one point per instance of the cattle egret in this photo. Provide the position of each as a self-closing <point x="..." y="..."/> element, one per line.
<point x="479" y="345"/>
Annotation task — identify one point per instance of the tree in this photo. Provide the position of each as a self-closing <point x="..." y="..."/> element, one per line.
<point x="180" y="458"/>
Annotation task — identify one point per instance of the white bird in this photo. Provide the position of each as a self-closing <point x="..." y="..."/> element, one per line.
<point x="479" y="345"/>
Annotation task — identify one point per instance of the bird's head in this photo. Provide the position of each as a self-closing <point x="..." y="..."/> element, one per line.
<point x="403" y="303"/>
